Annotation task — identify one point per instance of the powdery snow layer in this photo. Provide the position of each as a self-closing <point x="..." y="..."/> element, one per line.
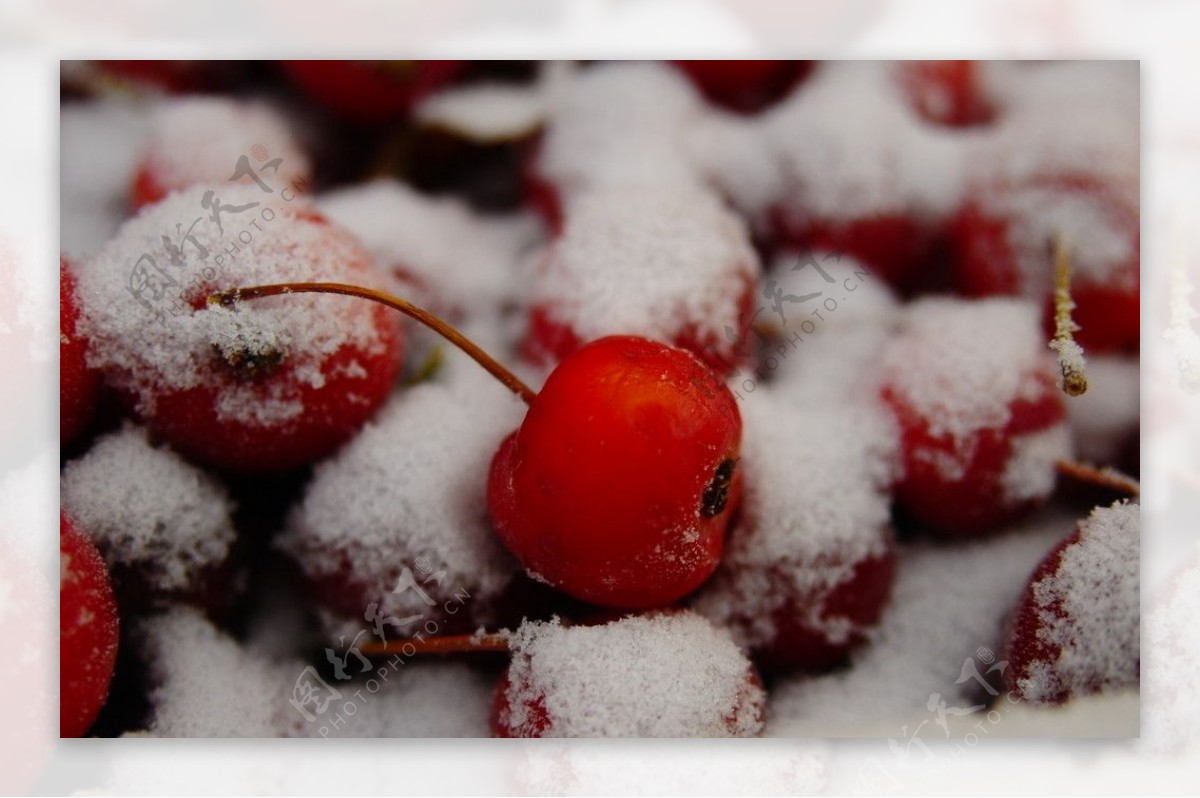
<point x="429" y="698"/>
<point x="949" y="601"/>
<point x="651" y="262"/>
<point x="847" y="145"/>
<point x="261" y="238"/>
<point x="1086" y="611"/>
<point x="815" y="506"/>
<point x="961" y="364"/>
<point x="201" y="139"/>
<point x="457" y="258"/>
<point x="149" y="510"/>
<point x="202" y="683"/>
<point x="411" y="486"/>
<point x="669" y="675"/>
<point x="621" y="124"/>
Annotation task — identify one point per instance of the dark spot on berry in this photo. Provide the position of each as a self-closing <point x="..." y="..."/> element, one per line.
<point x="248" y="364"/>
<point x="717" y="492"/>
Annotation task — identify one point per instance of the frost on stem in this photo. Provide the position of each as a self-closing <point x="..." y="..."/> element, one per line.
<point x="1070" y="353"/>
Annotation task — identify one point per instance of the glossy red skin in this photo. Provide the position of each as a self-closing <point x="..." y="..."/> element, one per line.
<point x="1024" y="645"/>
<point x="799" y="646"/>
<point x="986" y="265"/>
<point x="332" y="413"/>
<point x="899" y="248"/>
<point x="370" y="91"/>
<point x="611" y="461"/>
<point x="89" y="629"/>
<point x="947" y="92"/>
<point x="973" y="505"/>
<point x="538" y="722"/>
<point x="744" y="85"/>
<point x="79" y="386"/>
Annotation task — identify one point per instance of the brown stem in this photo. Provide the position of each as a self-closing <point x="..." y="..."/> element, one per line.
<point x="1101" y="477"/>
<point x="450" y="644"/>
<point x="442" y="328"/>
<point x="1070" y="354"/>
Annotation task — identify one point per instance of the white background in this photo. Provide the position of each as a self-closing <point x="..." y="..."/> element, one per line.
<point x="34" y="35"/>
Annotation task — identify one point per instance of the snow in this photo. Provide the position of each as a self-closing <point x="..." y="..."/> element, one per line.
<point x="848" y="146"/>
<point x="197" y="139"/>
<point x="1098" y="233"/>
<point x="485" y="112"/>
<point x="273" y="241"/>
<point x="1088" y="610"/>
<point x="458" y="259"/>
<point x="649" y="262"/>
<point x="1029" y="472"/>
<point x="816" y="505"/>
<point x="667" y="675"/>
<point x="149" y="510"/>
<point x="204" y="684"/>
<point x="648" y="248"/>
<point x="620" y="124"/>
<point x="959" y="365"/>
<point x="429" y="698"/>
<point x="411" y="485"/>
<point x="948" y="602"/>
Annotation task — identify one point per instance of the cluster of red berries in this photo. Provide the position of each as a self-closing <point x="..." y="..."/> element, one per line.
<point x="227" y="323"/>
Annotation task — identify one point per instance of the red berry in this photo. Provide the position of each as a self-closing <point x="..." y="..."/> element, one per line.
<point x="267" y="386"/>
<point x="164" y="527"/>
<point x="617" y="488"/>
<point x="856" y="171"/>
<point x="670" y="265"/>
<point x="1075" y="630"/>
<point x="745" y="85"/>
<point x="407" y="495"/>
<point x="200" y="140"/>
<point x="974" y="391"/>
<point x="809" y="563"/>
<point x="899" y="247"/>
<point x="620" y="126"/>
<point x="666" y="675"/>
<point x="1001" y="243"/>
<point x="370" y="91"/>
<point x="947" y="92"/>
<point x="88" y="631"/>
<point x="79" y="386"/>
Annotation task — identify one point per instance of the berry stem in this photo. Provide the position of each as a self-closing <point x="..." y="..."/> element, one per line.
<point x="450" y="644"/>
<point x="1070" y="353"/>
<point x="442" y="328"/>
<point x="1109" y="478"/>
